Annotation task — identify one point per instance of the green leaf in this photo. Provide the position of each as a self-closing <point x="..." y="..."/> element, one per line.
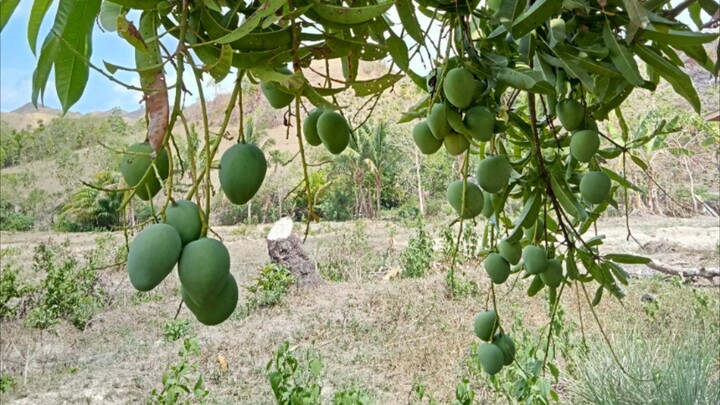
<point x="677" y="151"/>
<point x="622" y="181"/>
<point x="112" y="68"/>
<point x="109" y="13"/>
<point x="267" y="8"/>
<point x="627" y="258"/>
<point x="534" y="17"/>
<point x="398" y="51"/>
<point x="7" y="8"/>
<point x="406" y="12"/>
<point x="570" y="265"/>
<point x="509" y="10"/>
<point x="598" y="296"/>
<point x="138" y="4"/>
<point x="71" y="66"/>
<point x="638" y="18"/>
<point x="619" y="273"/>
<point x="535" y="286"/>
<point x="375" y="86"/>
<point x="622" y="58"/>
<point x="48" y="52"/>
<point x="317" y="100"/>
<point x="695" y="10"/>
<point x="221" y="67"/>
<point x="528" y="215"/>
<point x="557" y="32"/>
<point x="679" y="81"/>
<point x="566" y="198"/>
<point x="349" y="15"/>
<point x="588" y="64"/>
<point x="128" y="32"/>
<point x="678" y="39"/>
<point x="572" y="69"/>
<point x="639" y="162"/>
<point x="37" y="15"/>
<point x="524" y="78"/>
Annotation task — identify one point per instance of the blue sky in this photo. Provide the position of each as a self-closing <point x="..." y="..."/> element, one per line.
<point x="17" y="64"/>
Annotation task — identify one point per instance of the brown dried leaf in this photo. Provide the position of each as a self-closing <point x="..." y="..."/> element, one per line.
<point x="158" y="111"/>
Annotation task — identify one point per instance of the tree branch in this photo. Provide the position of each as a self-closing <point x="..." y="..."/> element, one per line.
<point x="701" y="272"/>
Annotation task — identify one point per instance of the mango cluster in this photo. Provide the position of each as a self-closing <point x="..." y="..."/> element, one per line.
<point x="459" y="118"/>
<point x="208" y="288"/>
<point x="328" y="128"/>
<point x="584" y="145"/>
<point x="499" y="349"/>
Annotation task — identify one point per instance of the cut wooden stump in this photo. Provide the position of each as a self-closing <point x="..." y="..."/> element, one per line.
<point x="286" y="249"/>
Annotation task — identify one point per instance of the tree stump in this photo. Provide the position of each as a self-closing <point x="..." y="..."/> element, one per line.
<point x="286" y="249"/>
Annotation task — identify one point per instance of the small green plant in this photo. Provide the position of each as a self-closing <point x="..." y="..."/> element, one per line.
<point x="12" y="292"/>
<point x="141" y="297"/>
<point x="7" y="382"/>
<point x="421" y="392"/>
<point x="182" y="381"/>
<point x="269" y="287"/>
<point x="69" y="290"/>
<point x="13" y="218"/>
<point x="175" y="329"/>
<point x="294" y="381"/>
<point x="464" y="394"/>
<point x="353" y="396"/>
<point x="419" y="253"/>
<point x="458" y="286"/>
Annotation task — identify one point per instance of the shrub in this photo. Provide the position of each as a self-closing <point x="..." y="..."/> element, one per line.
<point x="180" y="383"/>
<point x="419" y="254"/>
<point x="679" y="369"/>
<point x="175" y="329"/>
<point x="269" y="287"/>
<point x="14" y="219"/>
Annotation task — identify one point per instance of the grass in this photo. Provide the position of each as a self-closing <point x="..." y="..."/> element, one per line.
<point x="391" y="338"/>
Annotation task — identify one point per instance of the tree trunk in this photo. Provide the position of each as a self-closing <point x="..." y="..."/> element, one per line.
<point x="286" y="249"/>
<point x="419" y="183"/>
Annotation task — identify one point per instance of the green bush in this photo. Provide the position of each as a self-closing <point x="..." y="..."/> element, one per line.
<point x="419" y="253"/>
<point x="14" y="219"/>
<point x="182" y="382"/>
<point x="269" y="287"/>
<point x="12" y="292"/>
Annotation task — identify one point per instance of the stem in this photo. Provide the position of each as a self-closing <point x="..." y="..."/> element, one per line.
<point x="552" y="320"/>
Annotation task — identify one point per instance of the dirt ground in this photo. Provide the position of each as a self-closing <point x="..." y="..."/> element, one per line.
<point x="382" y="335"/>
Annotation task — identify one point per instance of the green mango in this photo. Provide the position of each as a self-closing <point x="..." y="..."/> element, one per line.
<point x="217" y="308"/>
<point x="424" y="138"/>
<point x="535" y="258"/>
<point x="334" y="132"/>
<point x="491" y="358"/>
<point x="570" y="113"/>
<point x="595" y="187"/>
<point x="135" y="163"/>
<point x="481" y="123"/>
<point x="497" y="268"/>
<point x="553" y="275"/>
<point x="493" y="173"/>
<point x="456" y="144"/>
<point x="511" y="251"/>
<point x="474" y="199"/>
<point x="437" y="121"/>
<point x="310" y="127"/>
<point x="456" y="85"/>
<point x="507" y="346"/>
<point x="184" y="216"/>
<point x="584" y="145"/>
<point x="480" y="88"/>
<point x="486" y="322"/>
<point x="276" y="97"/>
<point x="242" y="172"/>
<point x="203" y="269"/>
<point x="152" y="256"/>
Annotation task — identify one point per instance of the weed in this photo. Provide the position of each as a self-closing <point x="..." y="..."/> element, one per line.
<point x="293" y="381"/>
<point x="175" y="329"/>
<point x="69" y="291"/>
<point x="350" y="256"/>
<point x="141" y="297"/>
<point x="7" y="383"/>
<point x="11" y="292"/>
<point x="180" y="380"/>
<point x="269" y="287"/>
<point x="419" y="254"/>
